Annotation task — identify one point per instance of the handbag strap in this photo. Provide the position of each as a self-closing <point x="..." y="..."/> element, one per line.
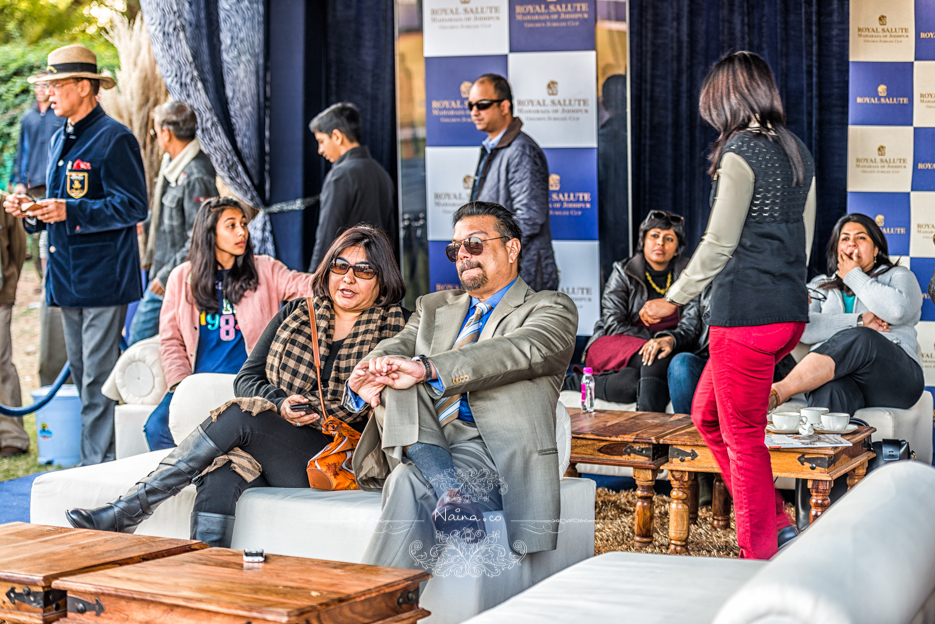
<point x="321" y="397"/>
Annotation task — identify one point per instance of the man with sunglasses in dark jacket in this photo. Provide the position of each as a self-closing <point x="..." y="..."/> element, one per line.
<point x="512" y="171"/>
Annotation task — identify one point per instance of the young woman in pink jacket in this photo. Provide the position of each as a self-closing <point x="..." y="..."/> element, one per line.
<point x="217" y="304"/>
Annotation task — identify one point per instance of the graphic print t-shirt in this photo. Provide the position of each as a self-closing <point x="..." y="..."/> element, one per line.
<point x="221" y="348"/>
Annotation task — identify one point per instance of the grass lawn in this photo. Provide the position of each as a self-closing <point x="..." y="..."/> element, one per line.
<point x="22" y="465"/>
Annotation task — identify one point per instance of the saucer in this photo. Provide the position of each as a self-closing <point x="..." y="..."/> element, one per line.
<point x="781" y="431"/>
<point x="850" y="428"/>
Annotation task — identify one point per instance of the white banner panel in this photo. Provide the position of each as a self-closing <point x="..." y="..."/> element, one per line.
<point x="923" y="96"/>
<point x="555" y="94"/>
<point x="578" y="279"/>
<point x="879" y="158"/>
<point x="882" y="30"/>
<point x="923" y="225"/>
<point x="926" y="332"/>
<point x="449" y="175"/>
<point x="465" y="27"/>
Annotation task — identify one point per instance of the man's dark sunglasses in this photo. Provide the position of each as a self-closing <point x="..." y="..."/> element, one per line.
<point x="361" y="271"/>
<point x="482" y="104"/>
<point x="674" y="219"/>
<point x="473" y="245"/>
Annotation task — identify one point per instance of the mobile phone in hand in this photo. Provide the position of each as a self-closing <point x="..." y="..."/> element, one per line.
<point x="301" y="408"/>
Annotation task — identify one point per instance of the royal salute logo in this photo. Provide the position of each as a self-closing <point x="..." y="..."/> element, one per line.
<point x="552" y="87"/>
<point x="880" y="219"/>
<point x="881" y="97"/>
<point x="881" y="90"/>
<point x="881" y="151"/>
<point x="466" y="88"/>
<point x="465" y="1"/>
<point x="467" y="182"/>
<point x="555" y="182"/>
<point x="882" y="32"/>
<point x="881" y="19"/>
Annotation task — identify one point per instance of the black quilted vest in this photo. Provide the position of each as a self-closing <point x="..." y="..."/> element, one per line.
<point x="764" y="281"/>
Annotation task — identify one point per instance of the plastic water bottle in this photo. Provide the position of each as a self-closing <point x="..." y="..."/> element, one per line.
<point x="587" y="390"/>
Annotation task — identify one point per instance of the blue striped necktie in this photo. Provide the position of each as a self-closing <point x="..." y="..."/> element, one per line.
<point x="448" y="408"/>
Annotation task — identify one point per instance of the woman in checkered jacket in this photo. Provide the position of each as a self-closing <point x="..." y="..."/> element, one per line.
<point x="270" y="431"/>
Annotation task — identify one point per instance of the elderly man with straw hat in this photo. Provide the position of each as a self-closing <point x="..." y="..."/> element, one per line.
<point x="95" y="196"/>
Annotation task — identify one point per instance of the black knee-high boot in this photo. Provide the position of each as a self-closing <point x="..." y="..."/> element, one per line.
<point x="175" y="472"/>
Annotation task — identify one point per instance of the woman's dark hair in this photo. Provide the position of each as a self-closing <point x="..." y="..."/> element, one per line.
<point x="242" y="277"/>
<point x="380" y="256"/>
<point x="881" y="264"/>
<point x="653" y="222"/>
<point x="740" y="89"/>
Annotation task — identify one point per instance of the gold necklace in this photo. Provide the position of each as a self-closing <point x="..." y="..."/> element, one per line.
<point x="656" y="288"/>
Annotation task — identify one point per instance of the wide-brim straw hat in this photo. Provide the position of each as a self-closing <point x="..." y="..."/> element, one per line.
<point x="73" y="61"/>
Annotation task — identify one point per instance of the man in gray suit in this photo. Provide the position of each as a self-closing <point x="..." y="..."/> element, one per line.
<point x="464" y="400"/>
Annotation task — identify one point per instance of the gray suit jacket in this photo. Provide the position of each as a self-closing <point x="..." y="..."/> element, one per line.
<point x="512" y="377"/>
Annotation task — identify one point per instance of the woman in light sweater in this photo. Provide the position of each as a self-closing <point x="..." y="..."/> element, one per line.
<point x="862" y="324"/>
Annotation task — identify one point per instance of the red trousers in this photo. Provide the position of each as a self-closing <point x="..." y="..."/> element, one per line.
<point x="729" y="410"/>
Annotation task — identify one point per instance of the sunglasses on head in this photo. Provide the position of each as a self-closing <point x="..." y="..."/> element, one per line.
<point x="672" y="218"/>
<point x="362" y="271"/>
<point x="472" y="245"/>
<point x="482" y="104"/>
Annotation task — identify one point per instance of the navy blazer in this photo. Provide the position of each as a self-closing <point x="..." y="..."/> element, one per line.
<point x="94" y="259"/>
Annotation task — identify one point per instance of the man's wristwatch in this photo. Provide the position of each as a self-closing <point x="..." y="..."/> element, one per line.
<point x="428" y="366"/>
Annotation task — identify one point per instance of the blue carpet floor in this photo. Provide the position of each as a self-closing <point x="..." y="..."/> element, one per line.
<point x="14" y="499"/>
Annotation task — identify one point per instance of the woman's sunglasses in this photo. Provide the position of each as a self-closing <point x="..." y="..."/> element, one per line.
<point x="482" y="104"/>
<point x="674" y="219"/>
<point x="473" y="245"/>
<point x="361" y="271"/>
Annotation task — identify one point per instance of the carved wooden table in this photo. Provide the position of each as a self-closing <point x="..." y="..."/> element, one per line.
<point x="630" y="440"/>
<point x="216" y="586"/>
<point x="33" y="556"/>
<point x="689" y="455"/>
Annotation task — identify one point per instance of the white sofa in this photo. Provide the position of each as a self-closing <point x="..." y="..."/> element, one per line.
<point x="325" y="525"/>
<point x="869" y="559"/>
<point x="138" y="384"/>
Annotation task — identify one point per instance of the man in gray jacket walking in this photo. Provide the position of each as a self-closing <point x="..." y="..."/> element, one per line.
<point x="513" y="172"/>
<point x="186" y="178"/>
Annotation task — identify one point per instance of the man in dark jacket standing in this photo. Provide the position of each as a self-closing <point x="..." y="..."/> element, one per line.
<point x="513" y="172"/>
<point x="186" y="178"/>
<point x="357" y="189"/>
<point x="96" y="194"/>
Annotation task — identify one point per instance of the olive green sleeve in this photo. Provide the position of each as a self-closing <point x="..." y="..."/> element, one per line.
<point x="735" y="181"/>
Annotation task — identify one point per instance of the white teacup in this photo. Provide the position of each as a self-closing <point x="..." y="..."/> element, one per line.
<point x="813" y="414"/>
<point x="786" y="421"/>
<point x="835" y="421"/>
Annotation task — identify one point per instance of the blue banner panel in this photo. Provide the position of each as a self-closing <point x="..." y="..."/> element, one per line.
<point x="550" y="26"/>
<point x="925" y="30"/>
<point x="880" y="94"/>
<point x="572" y="193"/>
<point x="447" y="82"/>
<point x="443" y="275"/>
<point x="923" y="166"/>
<point x="923" y="268"/>
<point x="891" y="211"/>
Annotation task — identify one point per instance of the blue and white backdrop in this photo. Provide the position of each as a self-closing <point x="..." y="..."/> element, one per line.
<point x="545" y="48"/>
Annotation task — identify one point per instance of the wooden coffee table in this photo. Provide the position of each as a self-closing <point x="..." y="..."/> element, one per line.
<point x="215" y="586"/>
<point x="689" y="455"/>
<point x="34" y="556"/>
<point x="630" y="440"/>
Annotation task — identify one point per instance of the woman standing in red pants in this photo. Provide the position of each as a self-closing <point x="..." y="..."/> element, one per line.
<point x="754" y="253"/>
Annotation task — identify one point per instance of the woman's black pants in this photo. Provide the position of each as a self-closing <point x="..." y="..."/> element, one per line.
<point x="282" y="449"/>
<point x="647" y="385"/>
<point x="869" y="371"/>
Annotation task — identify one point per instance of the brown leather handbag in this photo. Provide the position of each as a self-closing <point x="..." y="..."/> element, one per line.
<point x="331" y="468"/>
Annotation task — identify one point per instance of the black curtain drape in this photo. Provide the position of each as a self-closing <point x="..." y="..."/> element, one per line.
<point x="675" y="42"/>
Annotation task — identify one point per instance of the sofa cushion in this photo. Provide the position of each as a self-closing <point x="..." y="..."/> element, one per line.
<point x="137" y="378"/>
<point x="869" y="558"/>
<point x="195" y="397"/>
<point x="628" y="587"/>
<point x="129" y="438"/>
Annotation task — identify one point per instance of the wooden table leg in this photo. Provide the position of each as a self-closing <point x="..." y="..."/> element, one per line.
<point x="572" y="470"/>
<point x="856" y="476"/>
<point x="820" y="498"/>
<point x="720" y="504"/>
<point x="693" y="498"/>
<point x="643" y="523"/>
<point x="679" y="525"/>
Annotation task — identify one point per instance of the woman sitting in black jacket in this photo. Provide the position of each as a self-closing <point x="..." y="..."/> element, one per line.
<point x="629" y="358"/>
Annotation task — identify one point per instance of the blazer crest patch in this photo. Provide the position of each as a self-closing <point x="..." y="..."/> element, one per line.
<point x="77" y="185"/>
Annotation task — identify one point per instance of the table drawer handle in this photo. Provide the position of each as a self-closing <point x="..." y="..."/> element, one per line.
<point x="618" y="449"/>
<point x="817" y="462"/>
<point x="679" y="454"/>
<point x="77" y="605"/>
